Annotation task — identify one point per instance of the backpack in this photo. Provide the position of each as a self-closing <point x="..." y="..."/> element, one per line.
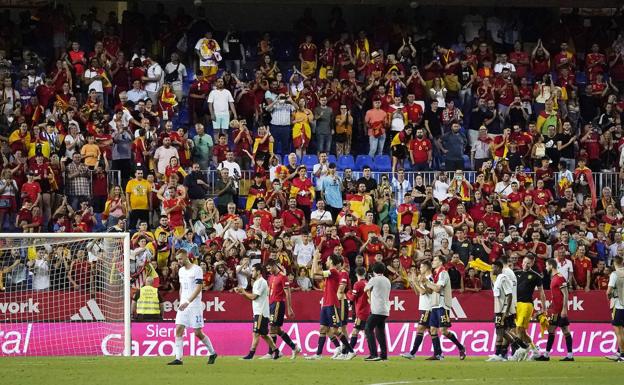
<point x="173" y="75"/>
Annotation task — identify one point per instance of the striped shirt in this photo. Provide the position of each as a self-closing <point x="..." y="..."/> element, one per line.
<point x="280" y="115"/>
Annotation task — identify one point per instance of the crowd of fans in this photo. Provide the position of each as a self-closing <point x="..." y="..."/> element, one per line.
<point x="532" y="118"/>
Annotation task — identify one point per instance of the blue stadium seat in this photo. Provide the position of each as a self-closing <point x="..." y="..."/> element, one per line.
<point x="309" y="161"/>
<point x="382" y="163"/>
<point x="332" y="159"/>
<point x="467" y="163"/>
<point x="363" y="160"/>
<point x="344" y="162"/>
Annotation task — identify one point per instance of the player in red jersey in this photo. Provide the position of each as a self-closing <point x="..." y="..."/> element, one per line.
<point x="347" y="352"/>
<point x="558" y="312"/>
<point x="330" y="319"/>
<point x="361" y="305"/>
<point x="279" y="303"/>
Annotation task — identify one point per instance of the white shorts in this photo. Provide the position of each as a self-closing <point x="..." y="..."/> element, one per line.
<point x="191" y="318"/>
<point x="221" y="121"/>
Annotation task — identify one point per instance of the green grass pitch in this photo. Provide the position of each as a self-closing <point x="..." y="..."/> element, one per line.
<point x="231" y="370"/>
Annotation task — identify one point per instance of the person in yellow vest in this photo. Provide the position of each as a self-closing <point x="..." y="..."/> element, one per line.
<point x="147" y="303"/>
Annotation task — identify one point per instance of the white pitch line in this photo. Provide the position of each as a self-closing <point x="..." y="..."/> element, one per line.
<point x="468" y="380"/>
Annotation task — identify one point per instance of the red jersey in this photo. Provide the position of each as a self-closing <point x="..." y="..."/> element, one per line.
<point x="371" y="250"/>
<point x="307" y="51"/>
<point x="581" y="267"/>
<point x="541" y="196"/>
<point x="303" y="185"/>
<point x="219" y="151"/>
<point x="556" y="296"/>
<point x="31" y="191"/>
<point x="292" y="218"/>
<point x="349" y="244"/>
<point x="344" y="280"/>
<point x="330" y="292"/>
<point x="358" y="295"/>
<point x="420" y="150"/>
<point x="520" y="56"/>
<point x="278" y="283"/>
<point x="414" y="112"/>
<point x="176" y="217"/>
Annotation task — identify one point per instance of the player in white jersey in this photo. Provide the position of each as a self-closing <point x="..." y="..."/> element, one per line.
<point x="615" y="292"/>
<point x="442" y="300"/>
<point x="503" y="292"/>
<point x="419" y="284"/>
<point x="259" y="298"/>
<point x="190" y="313"/>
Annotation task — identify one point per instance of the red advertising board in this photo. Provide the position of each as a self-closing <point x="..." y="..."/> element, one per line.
<point x="583" y="306"/>
<point x="218" y="306"/>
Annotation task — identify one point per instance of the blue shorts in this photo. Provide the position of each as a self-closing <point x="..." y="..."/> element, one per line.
<point x="260" y="325"/>
<point x="221" y="121"/>
<point x="344" y="312"/>
<point x="617" y="317"/>
<point x="277" y="310"/>
<point x="425" y="318"/>
<point x="330" y="316"/>
<point x="440" y="318"/>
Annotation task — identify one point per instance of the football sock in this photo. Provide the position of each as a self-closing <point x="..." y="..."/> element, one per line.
<point x="568" y="340"/>
<point x="179" y="343"/>
<point x="353" y="340"/>
<point x="453" y="338"/>
<point x="417" y="342"/>
<point x="498" y="350"/>
<point x="335" y="341"/>
<point x="345" y="344"/>
<point x="437" y="349"/>
<point x="274" y="338"/>
<point x="251" y="354"/>
<point x="551" y="341"/>
<point x="206" y="341"/>
<point x="321" y="344"/>
<point x="286" y="338"/>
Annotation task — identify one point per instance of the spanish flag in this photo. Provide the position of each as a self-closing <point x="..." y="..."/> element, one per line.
<point x="587" y="174"/>
<point x="253" y="195"/>
<point x="359" y="204"/>
<point x="168" y="97"/>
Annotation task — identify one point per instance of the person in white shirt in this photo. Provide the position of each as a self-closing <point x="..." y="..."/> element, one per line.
<point x="259" y="298"/>
<point x="400" y="186"/>
<point x="243" y="273"/>
<point x="320" y="216"/>
<point x="41" y="270"/>
<point x="378" y="290"/>
<point x="136" y="93"/>
<point x="8" y="97"/>
<point x="615" y="291"/>
<point x="190" y="311"/>
<point x="425" y="295"/>
<point x="153" y="80"/>
<point x="234" y="170"/>
<point x="504" y="64"/>
<point x="304" y="251"/>
<point x="440" y="187"/>
<point x="320" y="170"/>
<point x="93" y="79"/>
<point x="171" y="69"/>
<point x="220" y="103"/>
<point x="564" y="265"/>
<point x="163" y="155"/>
<point x="234" y="231"/>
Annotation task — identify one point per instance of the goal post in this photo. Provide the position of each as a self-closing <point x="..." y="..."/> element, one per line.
<point x="65" y="294"/>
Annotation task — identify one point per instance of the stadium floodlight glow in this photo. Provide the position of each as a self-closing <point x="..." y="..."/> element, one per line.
<point x="64" y="294"/>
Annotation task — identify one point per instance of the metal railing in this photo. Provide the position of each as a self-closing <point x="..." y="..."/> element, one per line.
<point x="601" y="179"/>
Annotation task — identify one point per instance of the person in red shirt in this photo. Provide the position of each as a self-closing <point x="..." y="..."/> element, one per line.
<point x="280" y="303"/>
<point x="362" y="307"/>
<point x="329" y="318"/>
<point x="174" y="207"/>
<point x="307" y="56"/>
<point x="350" y="237"/>
<point x="564" y="59"/>
<point x="540" y="250"/>
<point x="294" y="218"/>
<point x="421" y="151"/>
<point x="558" y="312"/>
<point x="492" y="219"/>
<point x="582" y="267"/>
<point x="220" y="149"/>
<point x="371" y="248"/>
<point x="302" y="190"/>
<point x="31" y="191"/>
<point x="500" y="143"/>
<point x="472" y="283"/>
<point x="520" y="59"/>
<point x="414" y="110"/>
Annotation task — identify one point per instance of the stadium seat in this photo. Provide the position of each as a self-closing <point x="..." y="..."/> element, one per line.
<point x="344" y="162"/>
<point x="309" y="161"/>
<point x="331" y="159"/>
<point x="467" y="163"/>
<point x="382" y="163"/>
<point x="363" y="160"/>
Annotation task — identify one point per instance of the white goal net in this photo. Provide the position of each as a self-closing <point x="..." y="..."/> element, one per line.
<point x="64" y="294"/>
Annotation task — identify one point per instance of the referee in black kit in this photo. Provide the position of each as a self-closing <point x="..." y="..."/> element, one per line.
<point x="378" y="290"/>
